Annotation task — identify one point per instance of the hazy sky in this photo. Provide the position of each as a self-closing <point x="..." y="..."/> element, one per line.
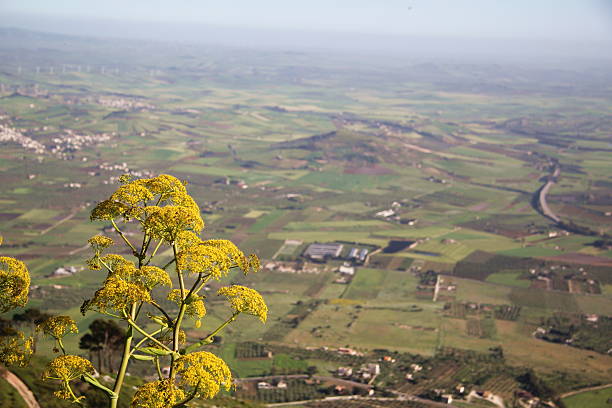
<point x="581" y="20"/>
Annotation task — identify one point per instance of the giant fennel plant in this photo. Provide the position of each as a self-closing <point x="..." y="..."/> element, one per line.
<point x="15" y="347"/>
<point x="167" y="217"/>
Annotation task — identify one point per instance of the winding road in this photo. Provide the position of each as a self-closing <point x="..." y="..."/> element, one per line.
<point x="546" y="211"/>
<point x="21" y="388"/>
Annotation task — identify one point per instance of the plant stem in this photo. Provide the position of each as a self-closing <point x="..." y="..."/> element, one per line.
<point x="208" y="338"/>
<point x="128" y="243"/>
<point x="154" y="251"/>
<point x="133" y="324"/>
<point x="61" y="345"/>
<point x="125" y="359"/>
<point x="158" y="307"/>
<point x="159" y="373"/>
<point x="177" y="324"/>
<point x="92" y="381"/>
<point x="143" y="340"/>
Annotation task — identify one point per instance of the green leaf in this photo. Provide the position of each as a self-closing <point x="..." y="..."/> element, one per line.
<point x="155" y="351"/>
<point x="143" y="358"/>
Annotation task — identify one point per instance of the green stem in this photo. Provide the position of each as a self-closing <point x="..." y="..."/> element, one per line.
<point x="127" y="242"/>
<point x="74" y="397"/>
<point x="177" y="325"/>
<point x="92" y="381"/>
<point x="189" y="397"/>
<point x="155" y="251"/>
<point x="61" y="345"/>
<point x="143" y="340"/>
<point x="159" y="373"/>
<point x="168" y="264"/>
<point x="209" y="338"/>
<point x="158" y="307"/>
<point x="146" y="240"/>
<point x="179" y="274"/>
<point x="147" y="335"/>
<point x="125" y="359"/>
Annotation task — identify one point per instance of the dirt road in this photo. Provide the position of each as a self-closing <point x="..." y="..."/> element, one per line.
<point x="21" y="388"/>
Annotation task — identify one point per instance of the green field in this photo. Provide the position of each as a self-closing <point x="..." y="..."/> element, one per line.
<point x="595" y="399"/>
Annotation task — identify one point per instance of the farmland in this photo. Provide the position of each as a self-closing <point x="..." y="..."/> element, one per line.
<point x="433" y="162"/>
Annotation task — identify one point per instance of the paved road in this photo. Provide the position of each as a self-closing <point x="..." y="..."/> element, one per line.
<point x="544" y="191"/>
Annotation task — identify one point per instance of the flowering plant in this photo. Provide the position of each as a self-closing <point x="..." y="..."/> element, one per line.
<point x="166" y="216"/>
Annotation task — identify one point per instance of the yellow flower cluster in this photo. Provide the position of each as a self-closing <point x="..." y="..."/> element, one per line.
<point x="186" y="239"/>
<point x="157" y="394"/>
<point x="125" y="284"/>
<point x="65" y="369"/>
<point x="117" y="294"/>
<point x="100" y="242"/>
<point x="245" y="300"/>
<point x="148" y="276"/>
<point x="167" y="187"/>
<point x="215" y="257"/>
<point x="236" y="255"/>
<point x="15" y="349"/>
<point x="132" y="194"/>
<point x="195" y="304"/>
<point x="14" y="283"/>
<point x="58" y="326"/>
<point x="205" y="372"/>
<point x="143" y="199"/>
<point x="108" y="210"/>
<point x="151" y="276"/>
<point x="166" y="222"/>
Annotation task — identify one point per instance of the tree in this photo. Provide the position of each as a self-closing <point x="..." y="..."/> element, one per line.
<point x="32" y="316"/>
<point x="105" y="339"/>
<point x="167" y="218"/>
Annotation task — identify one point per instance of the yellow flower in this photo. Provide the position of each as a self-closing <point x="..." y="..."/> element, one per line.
<point x="14" y="283"/>
<point x="65" y="369"/>
<point x="115" y="261"/>
<point x="186" y="239"/>
<point x="166" y="222"/>
<point x="117" y="294"/>
<point x="99" y="243"/>
<point x="195" y="304"/>
<point x="215" y="257"/>
<point x="108" y="210"/>
<point x="58" y="326"/>
<point x="132" y="193"/>
<point x="205" y="372"/>
<point x="167" y="187"/>
<point x="157" y="394"/>
<point x="204" y="259"/>
<point x="245" y="300"/>
<point x="236" y="255"/>
<point x="15" y="349"/>
<point x="151" y="276"/>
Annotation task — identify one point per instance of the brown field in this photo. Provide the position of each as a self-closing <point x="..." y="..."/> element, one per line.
<point x="578" y="258"/>
<point x="545" y="356"/>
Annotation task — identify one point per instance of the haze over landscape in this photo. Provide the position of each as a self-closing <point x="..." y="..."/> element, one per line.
<point x="427" y="185"/>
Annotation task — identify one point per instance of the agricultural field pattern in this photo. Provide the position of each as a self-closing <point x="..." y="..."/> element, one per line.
<point x="478" y="195"/>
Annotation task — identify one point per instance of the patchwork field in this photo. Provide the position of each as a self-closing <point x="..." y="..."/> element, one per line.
<point x="437" y="170"/>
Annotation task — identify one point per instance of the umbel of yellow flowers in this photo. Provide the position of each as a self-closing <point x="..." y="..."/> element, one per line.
<point x="15" y="347"/>
<point x="167" y="218"/>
